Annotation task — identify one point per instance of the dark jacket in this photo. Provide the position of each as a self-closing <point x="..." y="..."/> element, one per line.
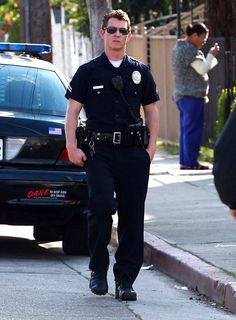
<point x="224" y="168"/>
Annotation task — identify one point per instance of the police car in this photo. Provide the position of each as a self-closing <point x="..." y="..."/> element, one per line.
<point x="38" y="184"/>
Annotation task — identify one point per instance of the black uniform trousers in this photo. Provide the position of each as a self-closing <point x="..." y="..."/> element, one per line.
<point x="117" y="182"/>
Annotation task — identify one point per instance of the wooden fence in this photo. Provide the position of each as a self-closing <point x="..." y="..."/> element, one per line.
<point x="160" y="48"/>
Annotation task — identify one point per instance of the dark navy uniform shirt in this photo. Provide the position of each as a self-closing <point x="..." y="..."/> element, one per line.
<point x="105" y="108"/>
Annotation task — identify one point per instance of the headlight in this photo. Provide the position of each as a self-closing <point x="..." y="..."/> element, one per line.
<point x="13" y="147"/>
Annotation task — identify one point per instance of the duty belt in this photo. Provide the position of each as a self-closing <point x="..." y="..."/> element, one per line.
<point x="116" y="137"/>
<point x="131" y="137"/>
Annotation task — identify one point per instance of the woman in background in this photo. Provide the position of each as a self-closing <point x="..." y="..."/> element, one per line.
<point x="190" y="68"/>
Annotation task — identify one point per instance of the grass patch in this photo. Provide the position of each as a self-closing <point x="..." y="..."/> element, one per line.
<point x="206" y="153"/>
<point x="171" y="148"/>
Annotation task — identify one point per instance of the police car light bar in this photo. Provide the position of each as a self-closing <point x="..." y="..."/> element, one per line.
<point x="28" y="48"/>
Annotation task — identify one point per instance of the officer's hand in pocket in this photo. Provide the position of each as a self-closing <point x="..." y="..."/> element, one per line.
<point x="151" y="151"/>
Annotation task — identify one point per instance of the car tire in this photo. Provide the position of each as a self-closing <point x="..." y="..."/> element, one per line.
<point x="47" y="233"/>
<point x="75" y="236"/>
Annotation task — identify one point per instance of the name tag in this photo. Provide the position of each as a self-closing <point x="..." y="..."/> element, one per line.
<point x="98" y="87"/>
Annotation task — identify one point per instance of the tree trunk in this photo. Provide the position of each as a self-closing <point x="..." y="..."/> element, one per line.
<point x="96" y="11"/>
<point x="222" y="18"/>
<point x="35" y="22"/>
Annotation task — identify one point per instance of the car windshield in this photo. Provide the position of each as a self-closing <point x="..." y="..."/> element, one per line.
<point x="31" y="90"/>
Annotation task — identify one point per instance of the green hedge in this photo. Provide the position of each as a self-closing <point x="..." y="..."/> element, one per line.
<point x="222" y="105"/>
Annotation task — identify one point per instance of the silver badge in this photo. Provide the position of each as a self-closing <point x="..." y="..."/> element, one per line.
<point x="136" y="77"/>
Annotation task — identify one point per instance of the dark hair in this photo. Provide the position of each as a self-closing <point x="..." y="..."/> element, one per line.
<point x="198" y="28"/>
<point x="118" y="14"/>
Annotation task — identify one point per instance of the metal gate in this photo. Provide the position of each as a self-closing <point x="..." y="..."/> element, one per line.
<point x="221" y="77"/>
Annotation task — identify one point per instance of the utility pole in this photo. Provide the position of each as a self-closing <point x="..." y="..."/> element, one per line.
<point x="191" y="10"/>
<point x="178" y="10"/>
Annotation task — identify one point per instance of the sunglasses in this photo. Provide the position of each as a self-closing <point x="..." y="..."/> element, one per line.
<point x="112" y="30"/>
<point x="203" y="37"/>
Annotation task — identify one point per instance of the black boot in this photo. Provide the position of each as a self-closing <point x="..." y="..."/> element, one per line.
<point x="125" y="292"/>
<point x="98" y="283"/>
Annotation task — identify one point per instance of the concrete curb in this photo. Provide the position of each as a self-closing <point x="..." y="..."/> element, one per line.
<point x="189" y="270"/>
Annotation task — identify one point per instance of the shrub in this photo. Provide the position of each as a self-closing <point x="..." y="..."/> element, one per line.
<point x="226" y="96"/>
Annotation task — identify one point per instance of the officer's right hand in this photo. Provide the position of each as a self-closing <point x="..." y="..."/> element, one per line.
<point x="76" y="156"/>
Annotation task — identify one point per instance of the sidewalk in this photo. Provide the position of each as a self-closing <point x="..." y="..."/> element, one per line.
<point x="189" y="233"/>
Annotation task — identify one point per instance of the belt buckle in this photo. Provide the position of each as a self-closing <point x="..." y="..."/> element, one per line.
<point x="116" y="137"/>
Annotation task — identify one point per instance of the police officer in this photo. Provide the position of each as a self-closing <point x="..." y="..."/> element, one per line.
<point x="111" y="88"/>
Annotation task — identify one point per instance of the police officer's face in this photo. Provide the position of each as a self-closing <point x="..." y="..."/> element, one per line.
<point x="117" y="40"/>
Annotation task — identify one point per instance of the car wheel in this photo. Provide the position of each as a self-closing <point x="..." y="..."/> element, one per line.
<point x="47" y="233"/>
<point x="75" y="237"/>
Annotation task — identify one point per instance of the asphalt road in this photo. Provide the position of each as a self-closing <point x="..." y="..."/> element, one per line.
<point x="39" y="282"/>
